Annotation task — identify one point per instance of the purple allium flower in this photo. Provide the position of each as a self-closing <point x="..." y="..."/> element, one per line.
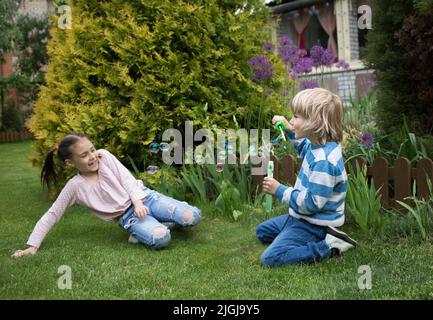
<point x="316" y="54"/>
<point x="328" y="57"/>
<point x="304" y="65"/>
<point x="293" y="74"/>
<point x="285" y="41"/>
<point x="262" y="68"/>
<point x="343" y="65"/>
<point x="268" y="47"/>
<point x="309" y="84"/>
<point x="257" y="61"/>
<point x="262" y="75"/>
<point x="321" y="56"/>
<point x="288" y="54"/>
<point x="366" y="139"/>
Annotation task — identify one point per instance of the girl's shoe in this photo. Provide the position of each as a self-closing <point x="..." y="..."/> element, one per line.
<point x="132" y="239"/>
<point x="171" y="225"/>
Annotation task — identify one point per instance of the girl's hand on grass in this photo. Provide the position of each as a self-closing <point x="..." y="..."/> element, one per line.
<point x="270" y="185"/>
<point x="287" y="124"/>
<point x="140" y="210"/>
<point x="30" y="250"/>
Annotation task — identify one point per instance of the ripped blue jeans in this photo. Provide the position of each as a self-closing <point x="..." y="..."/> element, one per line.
<point x="150" y="231"/>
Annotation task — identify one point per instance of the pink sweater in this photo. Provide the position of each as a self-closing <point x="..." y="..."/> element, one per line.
<point x="108" y="198"/>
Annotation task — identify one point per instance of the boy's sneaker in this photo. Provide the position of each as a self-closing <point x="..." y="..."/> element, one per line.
<point x="338" y="241"/>
<point x="132" y="239"/>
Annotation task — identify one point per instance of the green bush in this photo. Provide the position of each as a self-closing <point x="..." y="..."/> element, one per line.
<point x="399" y="49"/>
<point x="360" y="121"/>
<point x="128" y="70"/>
<point x="12" y="119"/>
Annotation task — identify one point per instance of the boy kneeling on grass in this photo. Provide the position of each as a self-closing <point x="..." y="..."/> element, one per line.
<point x="316" y="202"/>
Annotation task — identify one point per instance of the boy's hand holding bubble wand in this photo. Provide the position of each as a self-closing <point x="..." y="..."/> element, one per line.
<point x="269" y="183"/>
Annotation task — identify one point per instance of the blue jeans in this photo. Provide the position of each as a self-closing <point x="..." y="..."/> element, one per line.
<point x="150" y="231"/>
<point x="292" y="241"/>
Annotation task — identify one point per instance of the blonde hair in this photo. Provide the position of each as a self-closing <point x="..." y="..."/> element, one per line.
<point x="323" y="113"/>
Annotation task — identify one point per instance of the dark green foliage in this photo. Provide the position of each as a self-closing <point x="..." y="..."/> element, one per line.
<point x="32" y="54"/>
<point x="399" y="48"/>
<point x="9" y="32"/>
<point x="12" y="119"/>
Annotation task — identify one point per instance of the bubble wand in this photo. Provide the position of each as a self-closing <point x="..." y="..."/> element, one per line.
<point x="280" y="126"/>
<point x="268" y="198"/>
<point x="270" y="173"/>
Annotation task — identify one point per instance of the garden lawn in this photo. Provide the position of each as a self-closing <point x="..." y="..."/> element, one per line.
<point x="216" y="259"/>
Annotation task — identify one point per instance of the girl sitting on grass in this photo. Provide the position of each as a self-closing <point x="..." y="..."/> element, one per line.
<point x="106" y="187"/>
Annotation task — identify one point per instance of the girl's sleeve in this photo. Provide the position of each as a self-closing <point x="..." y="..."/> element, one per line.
<point x="126" y="179"/>
<point x="65" y="199"/>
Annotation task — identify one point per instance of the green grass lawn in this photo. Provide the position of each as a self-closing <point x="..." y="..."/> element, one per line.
<point x="217" y="259"/>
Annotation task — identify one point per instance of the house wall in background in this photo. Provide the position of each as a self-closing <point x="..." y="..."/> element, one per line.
<point x="34" y="7"/>
<point x="358" y="82"/>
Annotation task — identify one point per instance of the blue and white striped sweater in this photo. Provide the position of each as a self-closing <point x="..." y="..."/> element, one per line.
<point x="320" y="189"/>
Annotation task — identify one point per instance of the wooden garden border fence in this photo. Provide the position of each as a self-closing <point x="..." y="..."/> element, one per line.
<point x="15" y="136"/>
<point x="401" y="176"/>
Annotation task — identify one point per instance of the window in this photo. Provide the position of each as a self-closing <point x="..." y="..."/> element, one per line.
<point x="362" y="33"/>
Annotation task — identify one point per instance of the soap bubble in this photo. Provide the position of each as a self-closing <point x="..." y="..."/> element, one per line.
<point x="164" y="146"/>
<point x="154" y="147"/>
<point x="219" y="167"/>
<point x="152" y="169"/>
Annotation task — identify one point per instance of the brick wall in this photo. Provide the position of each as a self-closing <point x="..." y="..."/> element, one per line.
<point x="6" y="70"/>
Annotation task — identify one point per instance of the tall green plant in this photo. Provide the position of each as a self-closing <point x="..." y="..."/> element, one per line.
<point x="195" y="178"/>
<point x="422" y="212"/>
<point x="360" y="114"/>
<point x="410" y="147"/>
<point x="363" y="202"/>
<point x="228" y="187"/>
